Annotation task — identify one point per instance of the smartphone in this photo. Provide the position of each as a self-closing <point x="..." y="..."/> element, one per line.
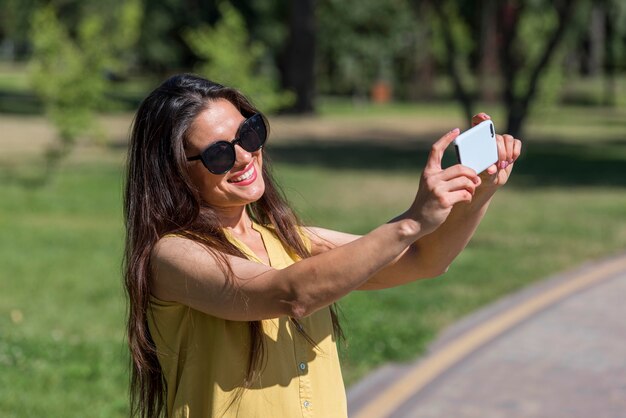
<point x="476" y="148"/>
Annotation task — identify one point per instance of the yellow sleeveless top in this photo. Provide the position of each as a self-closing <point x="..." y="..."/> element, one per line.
<point x="204" y="359"/>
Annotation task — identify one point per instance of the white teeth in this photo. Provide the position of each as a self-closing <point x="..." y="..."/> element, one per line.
<point x="244" y="176"/>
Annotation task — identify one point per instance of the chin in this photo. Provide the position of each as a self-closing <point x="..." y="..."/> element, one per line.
<point x="256" y="190"/>
<point x="239" y="196"/>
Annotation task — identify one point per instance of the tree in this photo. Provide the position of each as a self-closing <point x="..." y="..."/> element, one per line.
<point x="69" y="74"/>
<point x="615" y="46"/>
<point x="361" y="42"/>
<point x="522" y="61"/>
<point x="221" y="49"/>
<point x="162" y="47"/>
<point x="299" y="59"/>
<point x="15" y="25"/>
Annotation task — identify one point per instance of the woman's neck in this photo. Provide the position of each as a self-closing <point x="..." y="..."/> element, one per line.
<point x="236" y="220"/>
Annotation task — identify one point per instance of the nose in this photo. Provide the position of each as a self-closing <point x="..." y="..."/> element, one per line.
<point x="242" y="157"/>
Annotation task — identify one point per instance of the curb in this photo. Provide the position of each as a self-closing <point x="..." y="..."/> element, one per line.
<point x="388" y="388"/>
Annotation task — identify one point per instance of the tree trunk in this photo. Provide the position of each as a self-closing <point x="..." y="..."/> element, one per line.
<point x="597" y="40"/>
<point x="489" y="70"/>
<point x="422" y="83"/>
<point x="610" y="84"/>
<point x="516" y="115"/>
<point x="518" y="103"/>
<point x="460" y="92"/>
<point x="299" y="68"/>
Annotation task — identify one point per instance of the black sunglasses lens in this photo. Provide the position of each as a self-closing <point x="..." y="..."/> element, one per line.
<point x="253" y="134"/>
<point x="219" y="157"/>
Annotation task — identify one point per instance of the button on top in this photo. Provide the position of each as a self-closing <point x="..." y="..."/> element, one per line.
<point x="306" y="404"/>
<point x="302" y="366"/>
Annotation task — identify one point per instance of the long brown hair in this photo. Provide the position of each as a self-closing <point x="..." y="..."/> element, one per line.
<point x="160" y="199"/>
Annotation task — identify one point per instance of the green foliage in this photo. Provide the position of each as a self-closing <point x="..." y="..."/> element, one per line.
<point x="360" y="41"/>
<point x="231" y="58"/>
<point x="162" y="47"/>
<point x="125" y="34"/>
<point x="617" y="47"/>
<point x="266" y="22"/>
<point x="536" y="25"/>
<point x="15" y="24"/>
<point x="462" y="36"/>
<point x="69" y="75"/>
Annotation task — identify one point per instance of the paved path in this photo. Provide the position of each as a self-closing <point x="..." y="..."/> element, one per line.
<point x="557" y="349"/>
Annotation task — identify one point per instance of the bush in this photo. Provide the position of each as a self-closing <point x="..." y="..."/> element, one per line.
<point x="229" y="57"/>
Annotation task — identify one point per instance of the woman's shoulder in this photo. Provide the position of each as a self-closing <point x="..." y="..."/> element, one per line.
<point x="173" y="242"/>
<point x="177" y="250"/>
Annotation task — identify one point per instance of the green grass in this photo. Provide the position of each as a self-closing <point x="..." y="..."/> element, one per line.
<point x="14" y="77"/>
<point x="62" y="305"/>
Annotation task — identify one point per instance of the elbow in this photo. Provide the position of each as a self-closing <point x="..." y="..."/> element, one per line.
<point x="443" y="271"/>
<point x="304" y="297"/>
<point x="435" y="272"/>
<point x="299" y="310"/>
<point x="440" y="271"/>
<point x="301" y="306"/>
<point x="297" y="303"/>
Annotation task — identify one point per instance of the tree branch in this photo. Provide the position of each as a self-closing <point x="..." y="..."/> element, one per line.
<point x="450" y="62"/>
<point x="565" y="12"/>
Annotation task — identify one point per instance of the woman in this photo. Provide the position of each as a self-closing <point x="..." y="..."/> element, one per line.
<point x="230" y="295"/>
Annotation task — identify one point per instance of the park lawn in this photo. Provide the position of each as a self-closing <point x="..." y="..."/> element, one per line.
<point x="62" y="306"/>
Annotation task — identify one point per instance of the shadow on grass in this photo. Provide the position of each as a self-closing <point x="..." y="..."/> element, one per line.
<point x="543" y="163"/>
<point x="27" y="180"/>
<point x="28" y="104"/>
<point x="20" y="103"/>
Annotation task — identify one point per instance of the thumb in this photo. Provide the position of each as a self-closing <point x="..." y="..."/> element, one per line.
<point x="481" y="117"/>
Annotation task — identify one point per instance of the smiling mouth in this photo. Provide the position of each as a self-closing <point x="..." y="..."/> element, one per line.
<point x="245" y="176"/>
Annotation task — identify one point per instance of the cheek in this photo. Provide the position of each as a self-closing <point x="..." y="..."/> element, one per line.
<point x="203" y="179"/>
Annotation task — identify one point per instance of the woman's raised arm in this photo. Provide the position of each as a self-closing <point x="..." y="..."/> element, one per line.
<point x="185" y="272"/>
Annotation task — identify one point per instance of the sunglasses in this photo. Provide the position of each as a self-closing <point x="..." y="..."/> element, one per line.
<point x="220" y="157"/>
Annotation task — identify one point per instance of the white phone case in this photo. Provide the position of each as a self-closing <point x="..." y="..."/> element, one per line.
<point x="476" y="148"/>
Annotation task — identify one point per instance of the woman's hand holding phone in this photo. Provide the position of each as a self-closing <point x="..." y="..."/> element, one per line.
<point x="509" y="150"/>
<point x="440" y="189"/>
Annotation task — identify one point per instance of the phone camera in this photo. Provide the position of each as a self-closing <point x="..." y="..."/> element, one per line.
<point x="491" y="129"/>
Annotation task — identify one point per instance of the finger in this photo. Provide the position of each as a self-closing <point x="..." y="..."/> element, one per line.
<point x="508" y="170"/>
<point x="437" y="150"/>
<point x="459" y="196"/>
<point x="481" y="117"/>
<point x="459" y="183"/>
<point x="459" y="170"/>
<point x="517" y="149"/>
<point x="492" y="169"/>
<point x="501" y="150"/>
<point x="509" y="144"/>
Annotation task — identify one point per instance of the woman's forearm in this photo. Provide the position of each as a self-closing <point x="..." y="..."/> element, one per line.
<point x="431" y="255"/>
<point x="321" y="280"/>
<point x="438" y="249"/>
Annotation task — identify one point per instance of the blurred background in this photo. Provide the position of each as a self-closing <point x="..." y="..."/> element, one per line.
<point x="356" y="91"/>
